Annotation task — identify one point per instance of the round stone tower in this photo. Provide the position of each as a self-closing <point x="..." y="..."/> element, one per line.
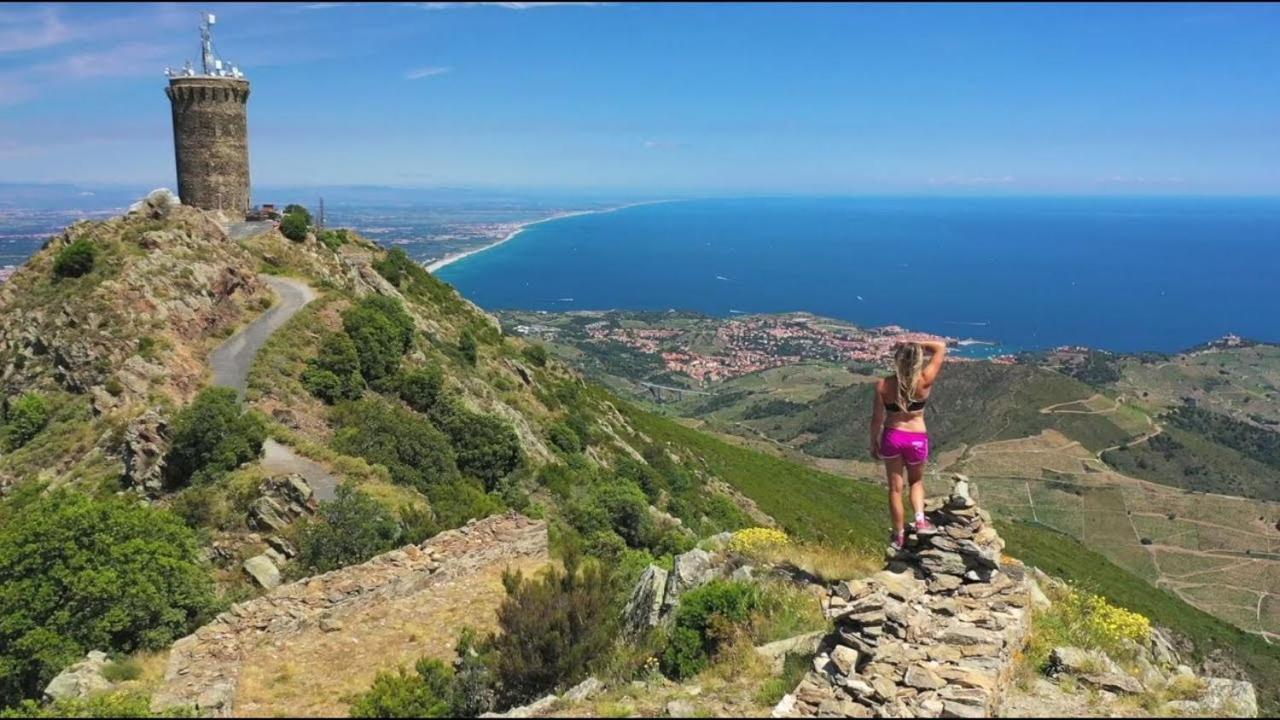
<point x="210" y="132"/>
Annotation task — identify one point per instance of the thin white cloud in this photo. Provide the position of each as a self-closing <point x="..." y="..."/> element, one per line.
<point x="661" y="144"/>
<point x="425" y="72"/>
<point x="20" y="31"/>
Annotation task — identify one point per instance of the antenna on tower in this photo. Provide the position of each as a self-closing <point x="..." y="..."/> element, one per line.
<point x="206" y="43"/>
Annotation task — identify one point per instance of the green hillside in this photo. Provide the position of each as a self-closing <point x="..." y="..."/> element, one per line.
<point x="818" y="505"/>
<point x="972" y="403"/>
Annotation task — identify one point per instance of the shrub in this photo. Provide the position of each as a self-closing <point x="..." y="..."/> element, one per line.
<point x="456" y="501"/>
<point x="394" y="266"/>
<point x="334" y="239"/>
<point x="424" y="694"/>
<point x="351" y="528"/>
<point x="83" y="574"/>
<point x="706" y="612"/>
<point x="758" y="541"/>
<point x="536" y="354"/>
<point x="121" y="704"/>
<point x="294" y="226"/>
<point x="473" y="676"/>
<point x="486" y="447"/>
<point x="420" y="389"/>
<point x="414" y="452"/>
<point x="300" y="210"/>
<point x="553" y="629"/>
<point x="211" y="437"/>
<point x="469" y="348"/>
<point x="122" y="670"/>
<point x="382" y="332"/>
<point x="75" y="259"/>
<point x="1083" y="619"/>
<point x="333" y="375"/>
<point x="23" y="419"/>
<point x="563" y="437"/>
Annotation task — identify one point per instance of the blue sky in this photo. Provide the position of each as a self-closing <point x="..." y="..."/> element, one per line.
<point x="896" y="98"/>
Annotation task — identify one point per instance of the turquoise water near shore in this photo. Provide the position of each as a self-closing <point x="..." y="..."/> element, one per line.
<point x="1124" y="274"/>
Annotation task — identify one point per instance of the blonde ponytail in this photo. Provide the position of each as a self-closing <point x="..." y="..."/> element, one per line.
<point x="909" y="364"/>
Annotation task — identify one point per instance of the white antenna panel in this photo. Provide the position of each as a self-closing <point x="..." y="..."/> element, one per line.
<point x="212" y="19"/>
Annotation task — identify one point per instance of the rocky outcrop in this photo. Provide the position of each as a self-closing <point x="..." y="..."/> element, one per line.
<point x="204" y="668"/>
<point x="656" y="595"/>
<point x="81" y="680"/>
<point x="145" y="444"/>
<point x="284" y="499"/>
<point x="932" y="635"/>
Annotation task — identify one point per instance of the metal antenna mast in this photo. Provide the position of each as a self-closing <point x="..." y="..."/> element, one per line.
<point x="207" y="58"/>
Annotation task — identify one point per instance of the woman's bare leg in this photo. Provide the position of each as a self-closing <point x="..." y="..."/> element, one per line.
<point x="893" y="468"/>
<point x="915" y="477"/>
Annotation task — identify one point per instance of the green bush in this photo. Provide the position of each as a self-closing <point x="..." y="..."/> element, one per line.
<point x="333" y="375"/>
<point x="395" y="266"/>
<point x="300" y="210"/>
<point x="105" y="705"/>
<point x="211" y="437"/>
<point x="536" y="354"/>
<point x="486" y="447"/>
<point x="350" y="529"/>
<point x="474" y="680"/>
<point x="382" y="331"/>
<point x="563" y="437"/>
<point x="414" y="452"/>
<point x="553" y="629"/>
<point x="334" y="239"/>
<point x="706" y="612"/>
<point x="424" y="694"/>
<point x="82" y="574"/>
<point x="456" y="501"/>
<point x="75" y="259"/>
<point x="294" y="226"/>
<point x="420" y="388"/>
<point x="23" y="419"/>
<point x="469" y="348"/>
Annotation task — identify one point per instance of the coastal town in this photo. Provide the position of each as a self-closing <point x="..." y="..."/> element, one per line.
<point x="709" y="350"/>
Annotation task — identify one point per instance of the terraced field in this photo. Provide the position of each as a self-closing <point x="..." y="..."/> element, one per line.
<point x="1217" y="552"/>
<point x="1242" y="382"/>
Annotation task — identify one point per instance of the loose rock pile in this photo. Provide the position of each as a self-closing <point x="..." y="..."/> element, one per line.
<point x="933" y="635"/>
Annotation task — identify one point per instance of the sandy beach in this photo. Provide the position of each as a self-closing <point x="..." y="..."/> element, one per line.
<point x="450" y="259"/>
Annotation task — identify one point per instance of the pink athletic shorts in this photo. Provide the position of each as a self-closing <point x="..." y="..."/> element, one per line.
<point x="913" y="447"/>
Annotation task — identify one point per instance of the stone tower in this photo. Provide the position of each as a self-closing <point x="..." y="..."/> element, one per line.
<point x="210" y="131"/>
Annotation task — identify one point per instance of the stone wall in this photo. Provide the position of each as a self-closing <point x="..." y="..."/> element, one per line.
<point x="211" y="142"/>
<point x="205" y="668"/>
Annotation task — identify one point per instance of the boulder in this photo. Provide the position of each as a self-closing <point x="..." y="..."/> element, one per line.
<point x="80" y="680"/>
<point x="775" y="653"/>
<point x="644" y="607"/>
<point x="583" y="690"/>
<point x="681" y="709"/>
<point x="690" y="570"/>
<point x="1075" y="661"/>
<point x="261" y="569"/>
<point x="1115" y="682"/>
<point x="156" y="205"/>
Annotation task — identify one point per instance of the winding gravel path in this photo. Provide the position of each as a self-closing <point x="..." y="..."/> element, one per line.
<point x="231" y="362"/>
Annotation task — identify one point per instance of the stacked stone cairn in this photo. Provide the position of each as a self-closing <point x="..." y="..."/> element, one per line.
<point x="932" y="635"/>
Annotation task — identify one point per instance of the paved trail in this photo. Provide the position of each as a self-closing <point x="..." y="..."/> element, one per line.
<point x="232" y="359"/>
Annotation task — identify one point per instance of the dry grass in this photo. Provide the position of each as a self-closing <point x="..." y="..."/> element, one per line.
<point x="827" y="563"/>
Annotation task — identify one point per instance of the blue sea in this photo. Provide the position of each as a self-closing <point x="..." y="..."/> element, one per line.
<point x="1124" y="274"/>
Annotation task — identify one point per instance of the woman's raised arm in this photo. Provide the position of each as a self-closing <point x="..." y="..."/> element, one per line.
<point x="939" y="351"/>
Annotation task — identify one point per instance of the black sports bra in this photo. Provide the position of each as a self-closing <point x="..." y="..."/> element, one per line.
<point x="913" y="406"/>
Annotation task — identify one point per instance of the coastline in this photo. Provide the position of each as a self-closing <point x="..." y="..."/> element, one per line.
<point x="451" y="259"/>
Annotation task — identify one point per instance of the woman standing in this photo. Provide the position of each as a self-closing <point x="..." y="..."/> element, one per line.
<point x="898" y="434"/>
